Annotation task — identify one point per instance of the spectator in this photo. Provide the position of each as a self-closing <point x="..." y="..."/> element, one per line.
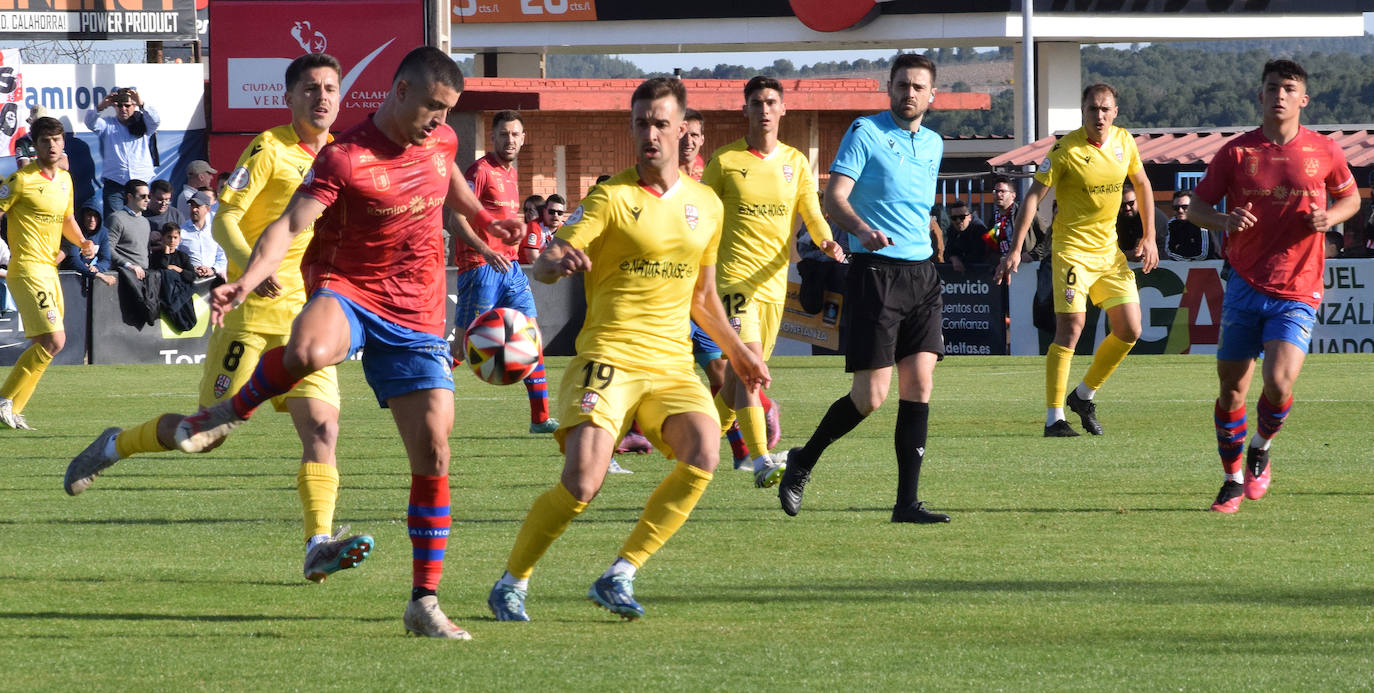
<point x="199" y="176"/>
<point x="1184" y="239"/>
<point x="1335" y="244"/>
<point x="214" y="205"/>
<point x="127" y="147"/>
<point x="174" y="273"/>
<point x="167" y="255"/>
<point x="552" y="215"/>
<point x="534" y="232"/>
<point x="98" y="267"/>
<point x="1128" y="228"/>
<point x="967" y="238"/>
<point x="129" y="231"/>
<point x="1000" y="231"/>
<point x="160" y="211"/>
<point x="197" y="239"/>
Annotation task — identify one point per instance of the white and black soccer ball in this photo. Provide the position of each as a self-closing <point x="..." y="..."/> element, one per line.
<point x="502" y="346"/>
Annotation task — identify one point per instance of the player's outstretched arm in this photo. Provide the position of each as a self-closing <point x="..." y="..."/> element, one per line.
<point x="710" y="316"/>
<point x="301" y="212"/>
<point x="1146" y="249"/>
<point x="1025" y="217"/>
<point x="560" y="259"/>
<point x="837" y="203"/>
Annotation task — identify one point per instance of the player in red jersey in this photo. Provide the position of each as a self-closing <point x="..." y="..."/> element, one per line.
<point x="534" y="231"/>
<point x="375" y="274"/>
<point x="1276" y="180"/>
<point x="489" y="275"/>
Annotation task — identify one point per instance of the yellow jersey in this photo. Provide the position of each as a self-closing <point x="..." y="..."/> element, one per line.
<point x="762" y="196"/>
<point x="256" y="193"/>
<point x="37" y="207"/>
<point x="1088" y="180"/>
<point x="646" y="252"/>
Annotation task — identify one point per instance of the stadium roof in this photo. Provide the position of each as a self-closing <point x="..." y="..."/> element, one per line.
<point x="1196" y="146"/>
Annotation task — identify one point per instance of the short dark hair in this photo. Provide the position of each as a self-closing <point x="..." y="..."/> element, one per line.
<point x="1183" y="193"/>
<point x="1002" y="179"/>
<point x="170" y="227"/>
<point x="505" y="117"/>
<point x="45" y="127"/>
<point x="1096" y="88"/>
<point x="160" y="186"/>
<point x="429" y="65"/>
<point x="552" y="199"/>
<point x="659" y="87"/>
<point x="1127" y="187"/>
<point x="133" y="185"/>
<point x="906" y="61"/>
<point x="602" y="179"/>
<point x="957" y="203"/>
<point x="310" y="61"/>
<point x="538" y="200"/>
<point x="693" y="114"/>
<point x="1285" y="69"/>
<point x="1335" y="237"/>
<point x="761" y="82"/>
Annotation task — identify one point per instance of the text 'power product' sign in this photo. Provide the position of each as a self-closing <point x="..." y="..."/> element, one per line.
<point x="254" y="41"/>
<point x="48" y="20"/>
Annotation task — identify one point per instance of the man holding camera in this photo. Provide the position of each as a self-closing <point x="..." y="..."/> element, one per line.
<point x="126" y="142"/>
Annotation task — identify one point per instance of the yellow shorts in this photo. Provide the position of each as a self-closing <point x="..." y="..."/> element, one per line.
<point x="1107" y="280"/>
<point x="231" y="358"/>
<point x="612" y="397"/>
<point x="755" y="321"/>
<point x="38" y="296"/>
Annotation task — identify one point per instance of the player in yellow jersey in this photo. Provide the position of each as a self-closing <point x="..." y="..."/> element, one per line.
<point x="1088" y="167"/>
<point x="267" y="175"/>
<point x="764" y="185"/>
<point x="646" y="241"/>
<point x="37" y="199"/>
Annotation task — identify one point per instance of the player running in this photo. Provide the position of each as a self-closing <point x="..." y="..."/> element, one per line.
<point x="763" y="184"/>
<point x="646" y="240"/>
<point x="38" y="201"/>
<point x="488" y="276"/>
<point x="1276" y="180"/>
<point x="1087" y="167"/>
<point x="269" y="171"/>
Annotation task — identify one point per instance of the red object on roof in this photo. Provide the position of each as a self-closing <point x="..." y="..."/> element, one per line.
<point x="530" y="94"/>
<point x="1188" y="146"/>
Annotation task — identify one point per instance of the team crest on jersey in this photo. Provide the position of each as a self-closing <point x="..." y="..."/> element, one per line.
<point x="1310" y="166"/>
<point x="221" y="385"/>
<point x="238" y="179"/>
<point x="1251" y="165"/>
<point x="690" y="211"/>
<point x="1068" y="295"/>
<point x="52" y="317"/>
<point x="736" y="323"/>
<point x="588" y="403"/>
<point x="1120" y="154"/>
<point x="787" y="172"/>
<point x="439" y="164"/>
<point x="380" y="179"/>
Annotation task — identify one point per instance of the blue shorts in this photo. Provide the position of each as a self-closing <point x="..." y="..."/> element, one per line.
<point x="704" y="349"/>
<point x="482" y="288"/>
<point x="396" y="359"/>
<point x="1250" y="318"/>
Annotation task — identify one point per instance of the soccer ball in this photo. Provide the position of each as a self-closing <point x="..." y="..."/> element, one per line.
<point x="502" y="346"/>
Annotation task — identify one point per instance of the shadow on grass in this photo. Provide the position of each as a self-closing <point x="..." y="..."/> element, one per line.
<point x="1121" y="510"/>
<point x="189" y="618"/>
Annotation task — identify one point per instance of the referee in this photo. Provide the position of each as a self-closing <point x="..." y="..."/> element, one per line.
<point x="881" y="189"/>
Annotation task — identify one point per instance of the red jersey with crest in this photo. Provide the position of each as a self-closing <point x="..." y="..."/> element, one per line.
<point x="1280" y="255"/>
<point x="496" y="187"/>
<point x="380" y="241"/>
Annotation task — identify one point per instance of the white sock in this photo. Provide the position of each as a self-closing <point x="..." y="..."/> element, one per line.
<point x="1053" y="414"/>
<point x="1084" y="392"/>
<point x="1259" y="442"/>
<point x="620" y="566"/>
<point x="509" y="580"/>
<point x="1237" y="477"/>
<point x="312" y="541"/>
<point x="110" y="452"/>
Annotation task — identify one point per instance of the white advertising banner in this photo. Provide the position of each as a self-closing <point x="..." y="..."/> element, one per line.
<point x="68" y="91"/>
<point x="1180" y="304"/>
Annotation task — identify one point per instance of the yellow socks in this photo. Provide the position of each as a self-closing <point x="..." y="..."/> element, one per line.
<point x="140" y="439"/>
<point x="751" y="424"/>
<point x="24" y="376"/>
<point x="1110" y="353"/>
<point x="550" y="515"/>
<point x="724" y="412"/>
<point x="665" y="512"/>
<point x="318" y="485"/>
<point x="1057" y="362"/>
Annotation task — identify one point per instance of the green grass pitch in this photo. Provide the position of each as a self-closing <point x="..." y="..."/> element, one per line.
<point x="1071" y="564"/>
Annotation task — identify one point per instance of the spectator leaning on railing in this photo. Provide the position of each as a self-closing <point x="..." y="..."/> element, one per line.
<point x="100" y="266"/>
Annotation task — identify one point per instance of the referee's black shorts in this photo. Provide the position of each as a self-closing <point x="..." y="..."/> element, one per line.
<point x="892" y="309"/>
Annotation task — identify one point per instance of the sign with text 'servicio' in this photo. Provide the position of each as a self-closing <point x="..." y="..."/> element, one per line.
<point x="50" y="20"/>
<point x="479" y="11"/>
<point x="254" y="41"/>
<point x="973" y="316"/>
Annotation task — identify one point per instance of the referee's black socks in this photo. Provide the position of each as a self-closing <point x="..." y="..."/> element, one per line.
<point x="913" y="419"/>
<point x="840" y="419"/>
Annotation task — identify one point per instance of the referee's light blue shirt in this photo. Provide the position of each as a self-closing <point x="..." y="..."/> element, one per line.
<point x="894" y="173"/>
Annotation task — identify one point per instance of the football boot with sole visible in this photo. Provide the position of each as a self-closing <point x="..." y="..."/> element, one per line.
<point x="336" y="553"/>
<point x="89" y="463"/>
<point x="616" y="594"/>
<point x="507" y="603"/>
<point x="205" y="429"/>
